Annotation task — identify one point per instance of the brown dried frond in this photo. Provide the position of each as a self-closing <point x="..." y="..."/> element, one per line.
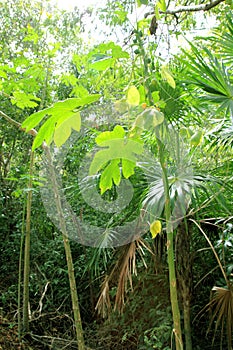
<point x="122" y="271"/>
<point x="221" y="306"/>
<point x="104" y="304"/>
<point x="127" y="268"/>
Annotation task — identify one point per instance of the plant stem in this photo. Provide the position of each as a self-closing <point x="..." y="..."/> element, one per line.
<point x="170" y="249"/>
<point x="169" y="228"/>
<point x="27" y="250"/>
<point x="62" y="222"/>
<point x="70" y="266"/>
<point x="20" y="271"/>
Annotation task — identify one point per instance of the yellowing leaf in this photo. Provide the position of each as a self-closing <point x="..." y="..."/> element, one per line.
<point x="61" y="134"/>
<point x="63" y="128"/>
<point x="149" y="118"/>
<point x="196" y="139"/>
<point x="155" y="228"/>
<point x="133" y="96"/>
<point x="166" y="75"/>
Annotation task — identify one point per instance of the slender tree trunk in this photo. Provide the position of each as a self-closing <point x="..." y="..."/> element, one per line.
<point x="169" y="228"/>
<point x="170" y="250"/>
<point x="27" y="250"/>
<point x="173" y="292"/>
<point x="184" y="276"/>
<point x="20" y="271"/>
<point x="57" y="199"/>
<point x="187" y="324"/>
<point x="62" y="222"/>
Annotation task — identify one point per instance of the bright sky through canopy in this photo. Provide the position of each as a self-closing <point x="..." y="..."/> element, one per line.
<point x="81" y="4"/>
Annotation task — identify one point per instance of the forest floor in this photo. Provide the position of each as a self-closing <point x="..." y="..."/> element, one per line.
<point x="9" y="336"/>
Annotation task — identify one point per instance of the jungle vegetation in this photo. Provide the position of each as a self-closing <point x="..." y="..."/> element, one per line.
<point x="116" y="175"/>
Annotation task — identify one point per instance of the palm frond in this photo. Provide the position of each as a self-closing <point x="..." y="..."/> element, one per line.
<point x="221" y="307"/>
<point x="224" y="40"/>
<point x="211" y="76"/>
<point x="103" y="305"/>
<point x="123" y="270"/>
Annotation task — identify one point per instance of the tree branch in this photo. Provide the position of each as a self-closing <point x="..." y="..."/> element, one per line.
<point x="189" y="8"/>
<point x="32" y="132"/>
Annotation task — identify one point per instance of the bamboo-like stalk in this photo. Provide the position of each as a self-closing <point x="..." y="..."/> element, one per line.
<point x="62" y="222"/>
<point x="63" y="228"/>
<point x="169" y="228"/>
<point x="170" y="250"/>
<point x="20" y="271"/>
<point x="27" y="250"/>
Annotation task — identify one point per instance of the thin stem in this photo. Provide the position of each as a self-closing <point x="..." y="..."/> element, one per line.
<point x="20" y="271"/>
<point x="169" y="228"/>
<point x="63" y="228"/>
<point x="57" y="198"/>
<point x="27" y="250"/>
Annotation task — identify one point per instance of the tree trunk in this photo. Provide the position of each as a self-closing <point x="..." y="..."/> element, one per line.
<point x="187" y="324"/>
<point x="169" y="228"/>
<point x="184" y="277"/>
<point x="170" y="249"/>
<point x="27" y="251"/>
<point x="173" y="292"/>
<point x="70" y="266"/>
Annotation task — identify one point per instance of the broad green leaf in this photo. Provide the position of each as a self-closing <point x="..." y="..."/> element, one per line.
<point x="117" y="52"/>
<point x="59" y="109"/>
<point x="34" y="119"/>
<point x="110" y="175"/>
<point x="45" y="133"/>
<point x="128" y="168"/>
<point x="23" y="100"/>
<point x="102" y="65"/>
<point x="166" y="75"/>
<point x="133" y="96"/>
<point x="61" y="112"/>
<point x="142" y="93"/>
<point x="61" y="134"/>
<point x="155" y="228"/>
<point x="79" y="91"/>
<point x="63" y="128"/>
<point x="117" y="148"/>
<point x="117" y="133"/>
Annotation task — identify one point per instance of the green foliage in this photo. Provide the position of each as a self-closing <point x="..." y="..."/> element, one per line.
<point x="45" y="63"/>
<point x="215" y="79"/>
<point x="117" y="148"/>
<point x="63" y="116"/>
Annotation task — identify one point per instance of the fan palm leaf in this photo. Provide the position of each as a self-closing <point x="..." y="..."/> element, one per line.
<point x="211" y="76"/>
<point x="224" y="40"/>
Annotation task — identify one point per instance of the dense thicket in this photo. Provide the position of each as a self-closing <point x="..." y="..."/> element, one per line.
<point x="128" y="87"/>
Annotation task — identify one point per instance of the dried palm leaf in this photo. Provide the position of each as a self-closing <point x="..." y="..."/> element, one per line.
<point x="104" y="304"/>
<point x="221" y="307"/>
<point x="122" y="271"/>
